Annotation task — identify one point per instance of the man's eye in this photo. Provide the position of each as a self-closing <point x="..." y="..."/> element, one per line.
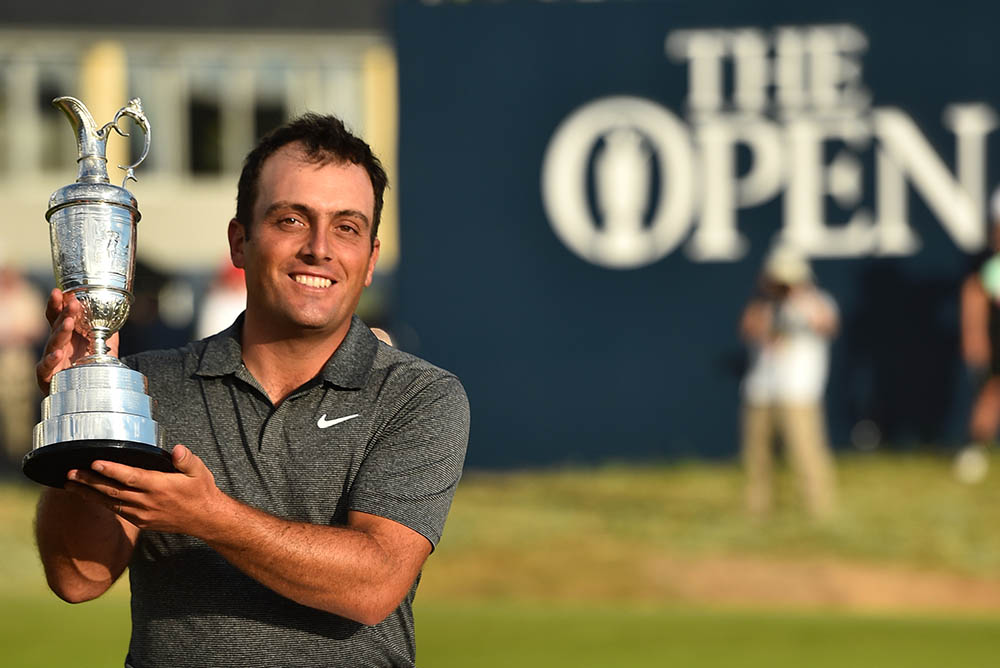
<point x="291" y="220"/>
<point x="350" y="229"/>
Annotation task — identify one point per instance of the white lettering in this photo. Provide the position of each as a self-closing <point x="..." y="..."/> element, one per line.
<point x="817" y="67"/>
<point x="835" y="72"/>
<point x="809" y="181"/>
<point x="794" y="101"/>
<point x="716" y="236"/>
<point x="908" y="152"/>
<point x="632" y="131"/>
<point x="704" y="50"/>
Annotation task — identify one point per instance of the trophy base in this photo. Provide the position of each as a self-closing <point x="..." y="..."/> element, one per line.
<point x="49" y="465"/>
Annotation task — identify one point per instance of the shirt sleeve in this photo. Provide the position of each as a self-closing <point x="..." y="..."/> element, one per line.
<point x="411" y="471"/>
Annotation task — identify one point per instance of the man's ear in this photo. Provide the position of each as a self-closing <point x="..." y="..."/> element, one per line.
<point x="371" y="262"/>
<point x="237" y="239"/>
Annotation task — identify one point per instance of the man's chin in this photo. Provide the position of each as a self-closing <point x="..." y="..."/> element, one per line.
<point x="297" y="322"/>
<point x="319" y="324"/>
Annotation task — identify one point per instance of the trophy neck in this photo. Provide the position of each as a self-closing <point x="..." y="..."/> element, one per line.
<point x="98" y="353"/>
<point x="99" y="344"/>
<point x="100" y="360"/>
<point x="93" y="169"/>
<point x="91" y="141"/>
<point x="98" y="348"/>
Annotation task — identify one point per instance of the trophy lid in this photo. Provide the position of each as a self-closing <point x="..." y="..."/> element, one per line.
<point x="76" y="194"/>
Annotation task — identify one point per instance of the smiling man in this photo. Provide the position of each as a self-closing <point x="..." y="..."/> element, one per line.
<point x="315" y="464"/>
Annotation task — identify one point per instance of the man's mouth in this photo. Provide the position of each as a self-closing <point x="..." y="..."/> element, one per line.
<point x="312" y="281"/>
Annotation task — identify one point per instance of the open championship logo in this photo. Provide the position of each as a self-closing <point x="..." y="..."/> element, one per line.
<point x="794" y="92"/>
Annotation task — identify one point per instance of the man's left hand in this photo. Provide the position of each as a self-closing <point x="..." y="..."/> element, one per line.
<point x="179" y="502"/>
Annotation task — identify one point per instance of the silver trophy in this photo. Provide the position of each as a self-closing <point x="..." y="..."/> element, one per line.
<point x="98" y="408"/>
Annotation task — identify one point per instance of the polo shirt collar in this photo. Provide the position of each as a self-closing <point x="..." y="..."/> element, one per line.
<point x="223" y="353"/>
<point x="351" y="364"/>
<point x="348" y="367"/>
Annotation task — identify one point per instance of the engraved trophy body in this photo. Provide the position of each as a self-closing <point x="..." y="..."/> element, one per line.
<point x="98" y="408"/>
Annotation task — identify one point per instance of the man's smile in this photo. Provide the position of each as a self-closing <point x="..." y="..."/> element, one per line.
<point x="312" y="281"/>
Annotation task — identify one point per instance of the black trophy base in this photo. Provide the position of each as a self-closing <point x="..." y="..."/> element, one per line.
<point x="49" y="464"/>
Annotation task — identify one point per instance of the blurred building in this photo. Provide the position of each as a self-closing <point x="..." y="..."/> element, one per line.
<point x="212" y="78"/>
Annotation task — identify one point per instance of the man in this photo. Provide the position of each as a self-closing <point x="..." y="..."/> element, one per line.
<point x="980" y="324"/>
<point x="315" y="465"/>
<point x="788" y="327"/>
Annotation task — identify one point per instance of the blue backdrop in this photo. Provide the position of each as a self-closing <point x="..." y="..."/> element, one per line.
<point x="568" y="360"/>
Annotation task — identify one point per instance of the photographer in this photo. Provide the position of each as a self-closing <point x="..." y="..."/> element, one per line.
<point x="787" y="327"/>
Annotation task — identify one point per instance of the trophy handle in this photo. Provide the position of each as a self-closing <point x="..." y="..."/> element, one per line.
<point x="134" y="111"/>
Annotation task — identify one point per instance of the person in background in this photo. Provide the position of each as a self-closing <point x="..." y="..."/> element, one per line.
<point x="21" y="327"/>
<point x="225" y="300"/>
<point x="787" y="327"/>
<point x="980" y="324"/>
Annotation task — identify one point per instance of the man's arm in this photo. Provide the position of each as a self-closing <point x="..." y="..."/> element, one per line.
<point x="756" y="323"/>
<point x="360" y="571"/>
<point x="975" y="315"/>
<point x="84" y="548"/>
<point x="821" y="312"/>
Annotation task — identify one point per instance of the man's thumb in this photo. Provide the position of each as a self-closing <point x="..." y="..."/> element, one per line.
<point x="183" y="459"/>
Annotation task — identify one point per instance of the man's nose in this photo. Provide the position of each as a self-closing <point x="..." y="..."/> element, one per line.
<point x="318" y="245"/>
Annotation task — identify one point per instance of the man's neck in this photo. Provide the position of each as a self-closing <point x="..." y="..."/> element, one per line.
<point x="282" y="364"/>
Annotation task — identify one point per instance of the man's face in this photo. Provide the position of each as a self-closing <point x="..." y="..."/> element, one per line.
<point x="308" y="254"/>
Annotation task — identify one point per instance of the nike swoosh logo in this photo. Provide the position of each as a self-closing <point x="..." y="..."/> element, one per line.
<point x="323" y="423"/>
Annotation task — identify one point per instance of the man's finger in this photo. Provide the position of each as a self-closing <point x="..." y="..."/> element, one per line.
<point x="120" y="504"/>
<point x="46" y="368"/>
<point x="62" y="334"/>
<point x="58" y="324"/>
<point x="129" y="476"/>
<point x="54" y="305"/>
<point x="57" y="352"/>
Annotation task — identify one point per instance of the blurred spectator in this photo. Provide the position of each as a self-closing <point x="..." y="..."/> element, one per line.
<point x="787" y="327"/>
<point x="22" y="323"/>
<point x="225" y="300"/>
<point x="156" y="323"/>
<point x="980" y="314"/>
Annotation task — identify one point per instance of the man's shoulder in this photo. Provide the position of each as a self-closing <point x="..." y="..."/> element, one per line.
<point x="396" y="371"/>
<point x="390" y="360"/>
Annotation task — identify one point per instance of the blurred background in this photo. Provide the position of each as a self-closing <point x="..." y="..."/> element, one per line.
<point x="583" y="196"/>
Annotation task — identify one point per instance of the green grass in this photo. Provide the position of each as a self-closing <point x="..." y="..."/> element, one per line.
<point x="626" y="565"/>
<point x="903" y="511"/>
<point x="44" y="633"/>
<point x="488" y="636"/>
<point x="41" y="631"/>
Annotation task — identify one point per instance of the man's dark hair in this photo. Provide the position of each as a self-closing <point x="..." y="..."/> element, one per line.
<point x="324" y="139"/>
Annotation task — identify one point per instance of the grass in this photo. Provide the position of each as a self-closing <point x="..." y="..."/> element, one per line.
<point x="44" y="633"/>
<point x="499" y="636"/>
<point x="644" y="565"/>
<point x="40" y="631"/>
<point x="587" y="534"/>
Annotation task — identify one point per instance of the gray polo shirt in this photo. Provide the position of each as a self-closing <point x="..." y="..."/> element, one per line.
<point x="378" y="431"/>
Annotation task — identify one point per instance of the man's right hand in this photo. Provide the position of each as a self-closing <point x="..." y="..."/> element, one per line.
<point x="66" y="344"/>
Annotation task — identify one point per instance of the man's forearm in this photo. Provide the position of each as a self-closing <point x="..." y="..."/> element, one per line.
<point x="361" y="573"/>
<point x="83" y="546"/>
